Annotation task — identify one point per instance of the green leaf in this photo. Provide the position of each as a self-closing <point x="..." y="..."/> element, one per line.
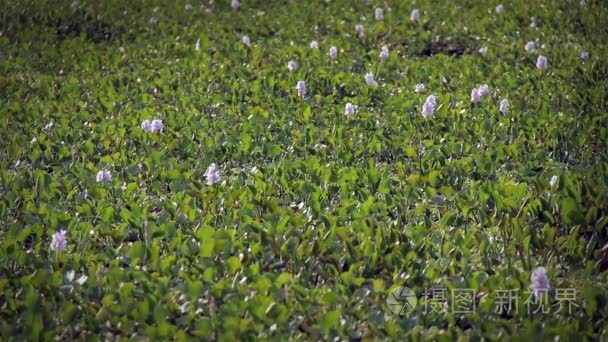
<point x="137" y="251"/>
<point x="234" y="264"/>
<point x="570" y="211"/>
<point x="282" y="279"/>
<point x="330" y="321"/>
<point x="207" y="248"/>
<point x="107" y="214"/>
<point x="410" y="152"/>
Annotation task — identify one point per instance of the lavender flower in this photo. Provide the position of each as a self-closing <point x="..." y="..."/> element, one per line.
<point x="428" y="108"/>
<point x="582" y="3"/>
<point x="152" y="126"/>
<point x="475" y="95"/>
<point x="59" y="241"/>
<point x="415" y="16"/>
<point x="292" y="65"/>
<point x="483" y="50"/>
<point x="530" y="47"/>
<point x="553" y="181"/>
<point x="484" y="90"/>
<point x="541" y="62"/>
<point x="235" y="4"/>
<point x="539" y="283"/>
<point x="188" y="7"/>
<point x="212" y="175"/>
<point x="384" y="53"/>
<point x="157" y="125"/>
<point x="499" y="8"/>
<point x="369" y="79"/>
<point x="379" y="13"/>
<point x="333" y="52"/>
<point x="314" y="44"/>
<point x="420" y="88"/>
<point x="360" y="30"/>
<point x="246" y="41"/>
<point x="504" y="106"/>
<point x="301" y="88"/>
<point x="584" y="55"/>
<point x="349" y="109"/>
<point x="146" y="125"/>
<point x="104" y="176"/>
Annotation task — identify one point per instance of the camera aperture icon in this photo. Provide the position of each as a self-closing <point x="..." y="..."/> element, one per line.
<point x="401" y="300"/>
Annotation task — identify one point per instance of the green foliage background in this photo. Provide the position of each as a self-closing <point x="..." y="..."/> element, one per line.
<point x="319" y="214"/>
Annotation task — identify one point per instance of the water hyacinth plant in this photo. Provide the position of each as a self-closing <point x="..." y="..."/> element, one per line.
<point x="301" y="89"/>
<point x="504" y="106"/>
<point x="428" y="108"/>
<point x="153" y="126"/>
<point x="333" y="52"/>
<point x="530" y="47"/>
<point x="370" y="80"/>
<point x="384" y="53"/>
<point x="415" y="15"/>
<point x="542" y="62"/>
<point x="212" y="174"/>
<point x="379" y="13"/>
<point x="246" y="41"/>
<point x="539" y="283"/>
<point x="59" y="241"/>
<point x="484" y="90"/>
<point x="475" y="95"/>
<point x="360" y="30"/>
<point x="349" y="109"/>
<point x="103" y="176"/>
<point x="157" y="125"/>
